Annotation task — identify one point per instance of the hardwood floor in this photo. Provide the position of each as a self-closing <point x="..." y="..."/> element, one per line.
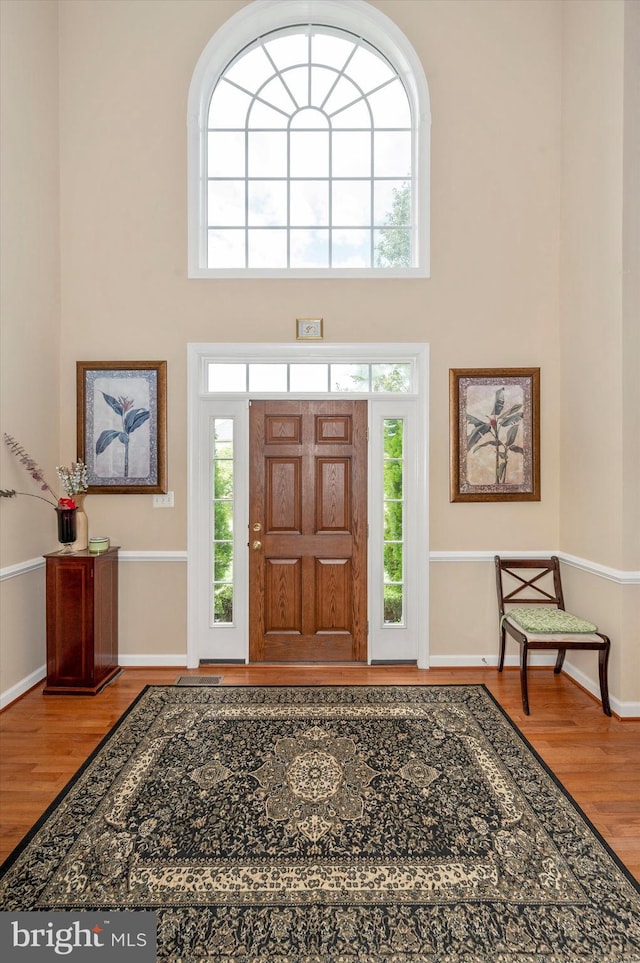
<point x="45" y="739"/>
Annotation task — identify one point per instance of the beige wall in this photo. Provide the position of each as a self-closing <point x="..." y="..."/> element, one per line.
<point x="29" y="313"/>
<point x="599" y="310"/>
<point x="495" y="72"/>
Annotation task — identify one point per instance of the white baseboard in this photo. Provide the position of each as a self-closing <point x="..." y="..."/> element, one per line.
<point x="10" y="695"/>
<point x="626" y="710"/>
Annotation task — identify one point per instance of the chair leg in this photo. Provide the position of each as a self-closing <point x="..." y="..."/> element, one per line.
<point x="523" y="677"/>
<point x="603" y="664"/>
<point x="503" y="642"/>
<point x="559" y="661"/>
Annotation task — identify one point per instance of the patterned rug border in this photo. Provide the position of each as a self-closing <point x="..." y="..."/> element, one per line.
<point x="577" y="885"/>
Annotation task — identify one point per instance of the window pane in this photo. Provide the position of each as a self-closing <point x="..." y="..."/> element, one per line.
<point x="351" y="203"/>
<point x="267" y="377"/>
<point x="222" y="478"/>
<point x="267" y="203"/>
<point x="391" y="377"/>
<point x="251" y="69"/>
<point x="392" y="478"/>
<point x="267" y="248"/>
<point x="327" y="48"/>
<point x="368" y="69"/>
<point x="228" y="106"/>
<point x="351" y="154"/>
<point x="393" y="247"/>
<point x="393" y="520"/>
<point x="309" y="153"/>
<point x="310" y="119"/>
<point x="351" y="249"/>
<point x="223" y="522"/>
<point x="309" y="203"/>
<point x="393" y="562"/>
<point x="223" y="439"/>
<point x="227" y="377"/>
<point x="288" y="50"/>
<point x="267" y="154"/>
<point x="308" y="377"/>
<point x="226" y="249"/>
<point x="390" y="106"/>
<point x="392" y="203"/>
<point x="226" y="203"/>
<point x="349" y="377"/>
<point x="393" y="605"/>
<point x="393" y="435"/>
<point x="309" y="249"/>
<point x="226" y="154"/>
<point x="223" y="604"/>
<point x="392" y="153"/>
<point x="223" y="561"/>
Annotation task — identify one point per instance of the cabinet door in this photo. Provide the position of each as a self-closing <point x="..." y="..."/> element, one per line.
<point x="70" y="618"/>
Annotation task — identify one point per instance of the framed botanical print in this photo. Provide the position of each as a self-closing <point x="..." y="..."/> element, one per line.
<point x="494" y="422"/>
<point x="121" y="425"/>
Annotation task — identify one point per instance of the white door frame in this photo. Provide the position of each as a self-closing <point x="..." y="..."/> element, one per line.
<point x="386" y="643"/>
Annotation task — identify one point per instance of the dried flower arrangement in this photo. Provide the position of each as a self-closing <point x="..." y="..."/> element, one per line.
<point x="74" y="479"/>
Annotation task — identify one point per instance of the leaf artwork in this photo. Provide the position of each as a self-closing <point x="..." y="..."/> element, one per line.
<point x="498" y="430"/>
<point x="132" y="418"/>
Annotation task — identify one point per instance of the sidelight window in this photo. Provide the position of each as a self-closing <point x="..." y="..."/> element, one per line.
<point x="394" y="521"/>
<point x="222" y="514"/>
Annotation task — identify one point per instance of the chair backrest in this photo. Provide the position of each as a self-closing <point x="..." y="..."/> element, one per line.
<point x="528" y="581"/>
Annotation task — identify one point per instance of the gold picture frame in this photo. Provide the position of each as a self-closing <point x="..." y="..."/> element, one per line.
<point x="122" y="426"/>
<point x="309" y="329"/>
<point x="494" y="423"/>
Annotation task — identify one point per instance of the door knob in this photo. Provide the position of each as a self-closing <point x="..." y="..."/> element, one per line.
<point x="256" y="546"/>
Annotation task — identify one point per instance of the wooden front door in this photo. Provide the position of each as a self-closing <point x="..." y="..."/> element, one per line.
<point x="308" y="531"/>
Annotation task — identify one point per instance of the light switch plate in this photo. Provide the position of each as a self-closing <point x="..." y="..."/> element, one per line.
<point x="163" y="501"/>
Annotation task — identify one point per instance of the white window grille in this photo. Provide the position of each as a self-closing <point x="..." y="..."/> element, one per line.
<point x="308" y="146"/>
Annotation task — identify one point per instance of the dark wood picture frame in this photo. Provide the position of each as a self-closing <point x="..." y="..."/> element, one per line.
<point x="122" y="426"/>
<point x="494" y="423"/>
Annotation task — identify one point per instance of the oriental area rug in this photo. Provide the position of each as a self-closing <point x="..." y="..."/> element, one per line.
<point x="358" y="824"/>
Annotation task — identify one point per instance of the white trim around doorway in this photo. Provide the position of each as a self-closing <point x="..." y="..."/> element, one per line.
<point x="406" y="643"/>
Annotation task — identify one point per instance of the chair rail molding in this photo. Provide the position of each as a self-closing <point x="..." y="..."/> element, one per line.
<point x="621" y="576"/>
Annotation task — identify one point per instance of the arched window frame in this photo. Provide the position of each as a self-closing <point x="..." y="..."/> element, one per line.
<point x="263" y="16"/>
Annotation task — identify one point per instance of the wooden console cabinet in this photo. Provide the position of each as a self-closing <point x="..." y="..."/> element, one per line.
<point x="82" y="622"/>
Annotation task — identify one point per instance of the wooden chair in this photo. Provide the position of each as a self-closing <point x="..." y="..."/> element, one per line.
<point x="533" y="585"/>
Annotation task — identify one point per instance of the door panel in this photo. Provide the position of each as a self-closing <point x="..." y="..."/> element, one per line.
<point x="308" y="531"/>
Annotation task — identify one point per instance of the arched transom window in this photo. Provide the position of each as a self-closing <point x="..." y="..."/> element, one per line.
<point x="308" y="159"/>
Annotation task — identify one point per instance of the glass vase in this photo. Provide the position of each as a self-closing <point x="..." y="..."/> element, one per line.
<point x="66" y="528"/>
